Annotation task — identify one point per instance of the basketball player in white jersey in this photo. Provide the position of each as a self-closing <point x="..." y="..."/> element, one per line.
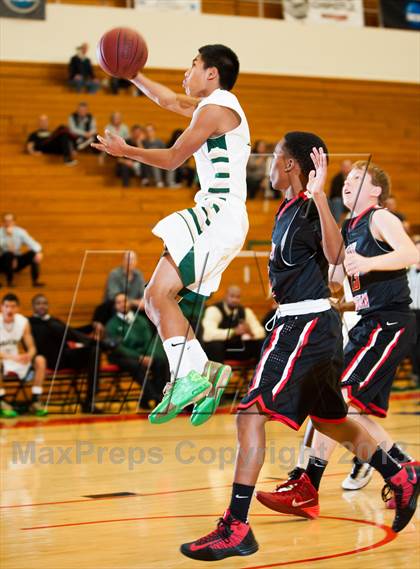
<point x="15" y="331"/>
<point x="201" y="241"/>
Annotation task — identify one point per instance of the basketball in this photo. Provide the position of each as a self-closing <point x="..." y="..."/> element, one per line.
<point x="122" y="52"/>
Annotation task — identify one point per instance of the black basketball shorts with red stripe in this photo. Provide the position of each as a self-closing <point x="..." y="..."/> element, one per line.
<point x="299" y="371"/>
<point x="377" y="345"/>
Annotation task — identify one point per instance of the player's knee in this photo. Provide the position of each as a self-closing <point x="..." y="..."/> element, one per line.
<point x="40" y="363"/>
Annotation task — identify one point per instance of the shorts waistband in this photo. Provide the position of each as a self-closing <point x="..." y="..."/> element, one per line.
<point x="298" y="309"/>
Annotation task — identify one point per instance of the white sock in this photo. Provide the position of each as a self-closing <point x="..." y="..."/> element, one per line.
<point x="197" y="355"/>
<point x="36" y="389"/>
<point x="304" y="454"/>
<point x="178" y="357"/>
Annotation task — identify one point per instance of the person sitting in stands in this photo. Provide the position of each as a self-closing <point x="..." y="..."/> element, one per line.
<point x="82" y="125"/>
<point x="81" y="74"/>
<point x="138" y="351"/>
<point x="127" y="169"/>
<point x="231" y="331"/>
<point x="12" y="260"/>
<point x="48" y="333"/>
<point x="128" y="279"/>
<point x="15" y="331"/>
<point x="45" y="141"/>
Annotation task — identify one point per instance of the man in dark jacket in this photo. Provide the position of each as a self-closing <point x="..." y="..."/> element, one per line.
<point x="81" y="74"/>
<point x="48" y="333"/>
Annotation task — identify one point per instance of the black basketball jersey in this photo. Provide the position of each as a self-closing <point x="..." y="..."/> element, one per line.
<point x="298" y="269"/>
<point x="377" y="290"/>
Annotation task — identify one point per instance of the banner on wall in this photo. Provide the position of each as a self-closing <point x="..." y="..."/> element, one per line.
<point x="185" y="5"/>
<point x="403" y="14"/>
<point x="342" y="12"/>
<point x="32" y="9"/>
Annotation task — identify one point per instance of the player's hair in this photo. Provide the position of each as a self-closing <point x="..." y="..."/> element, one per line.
<point x="299" y="145"/>
<point x="225" y="60"/>
<point x="378" y="178"/>
<point x="37" y="296"/>
<point x="10" y="297"/>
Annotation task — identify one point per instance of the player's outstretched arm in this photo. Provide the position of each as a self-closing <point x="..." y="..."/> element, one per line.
<point x="385" y="227"/>
<point x="332" y="240"/>
<point x="165" y="97"/>
<point x="202" y="127"/>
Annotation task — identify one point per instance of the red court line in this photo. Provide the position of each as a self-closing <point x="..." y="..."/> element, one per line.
<point x="80" y="420"/>
<point x="389" y="534"/>
<point x="140" y="495"/>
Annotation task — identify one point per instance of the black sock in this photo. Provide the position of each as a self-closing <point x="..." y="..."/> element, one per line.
<point x="241" y="500"/>
<point x="315" y="470"/>
<point x="398" y="454"/>
<point x="384" y="463"/>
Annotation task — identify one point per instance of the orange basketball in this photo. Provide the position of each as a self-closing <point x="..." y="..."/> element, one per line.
<point x="122" y="52"/>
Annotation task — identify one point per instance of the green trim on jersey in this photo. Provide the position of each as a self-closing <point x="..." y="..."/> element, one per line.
<point x="187" y="268"/>
<point x="219" y="142"/>
<point x="219" y="159"/>
<point x="206" y="214"/>
<point x="197" y="225"/>
<point x="218" y="190"/>
<point x="222" y="175"/>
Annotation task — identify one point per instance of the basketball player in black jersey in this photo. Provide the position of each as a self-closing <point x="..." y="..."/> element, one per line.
<point x="301" y="361"/>
<point x="378" y="250"/>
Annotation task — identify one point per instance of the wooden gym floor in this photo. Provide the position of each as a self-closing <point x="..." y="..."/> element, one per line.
<point x="179" y="487"/>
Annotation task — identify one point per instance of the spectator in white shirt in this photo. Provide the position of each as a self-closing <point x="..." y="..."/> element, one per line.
<point x="12" y="259"/>
<point x="230" y="330"/>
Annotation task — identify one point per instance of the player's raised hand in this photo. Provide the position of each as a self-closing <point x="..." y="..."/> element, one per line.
<point x="317" y="177"/>
<point x="111" y="144"/>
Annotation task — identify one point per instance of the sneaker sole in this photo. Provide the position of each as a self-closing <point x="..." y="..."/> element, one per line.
<point x="217" y="555"/>
<point x="412" y="503"/>
<point x="205" y="409"/>
<point x="310" y="513"/>
<point x="158" y="417"/>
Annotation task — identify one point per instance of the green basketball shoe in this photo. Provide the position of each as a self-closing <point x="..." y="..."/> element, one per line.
<point x="219" y="376"/>
<point x="178" y="394"/>
<point x="7" y="410"/>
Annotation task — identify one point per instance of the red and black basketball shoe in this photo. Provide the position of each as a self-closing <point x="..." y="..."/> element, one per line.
<point x="387" y="493"/>
<point x="231" y="537"/>
<point x="296" y="496"/>
<point x="406" y="487"/>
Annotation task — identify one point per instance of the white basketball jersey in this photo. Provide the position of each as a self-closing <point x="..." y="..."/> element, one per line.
<point x="221" y="161"/>
<point x="11" y="334"/>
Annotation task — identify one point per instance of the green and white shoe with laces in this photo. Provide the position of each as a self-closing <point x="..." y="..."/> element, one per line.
<point x="178" y="394"/>
<point x="219" y="376"/>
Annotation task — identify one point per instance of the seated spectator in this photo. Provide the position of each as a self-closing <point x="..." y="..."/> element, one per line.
<point x="336" y="190"/>
<point x="48" y="333"/>
<point x="15" y="333"/>
<point x="153" y="176"/>
<point x="185" y="174"/>
<point x="127" y="169"/>
<point x="231" y="331"/>
<point x="414" y="285"/>
<point x="82" y="125"/>
<point x="391" y="205"/>
<point x="116" y="83"/>
<point x="127" y="279"/>
<point x="116" y="125"/>
<point x="45" y="141"/>
<point x="12" y="259"/>
<point x="81" y="74"/>
<point x="256" y="169"/>
<point x="138" y="351"/>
